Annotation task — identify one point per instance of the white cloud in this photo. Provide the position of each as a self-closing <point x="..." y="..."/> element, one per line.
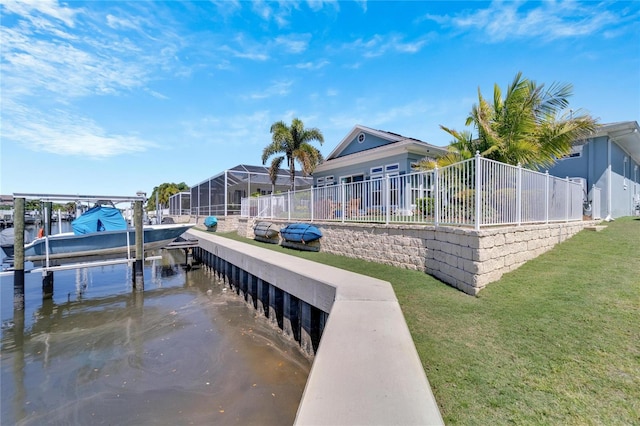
<point x="248" y="129"/>
<point x="312" y="65"/>
<point x="156" y="95"/>
<point x="227" y="7"/>
<point x="42" y="58"/>
<point x="548" y="20"/>
<point x="280" y="13"/>
<point x="317" y="5"/>
<point x="278" y="88"/>
<point x="363" y="5"/>
<point x="34" y="9"/>
<point x="64" y="133"/>
<point x="295" y="43"/>
<point x="379" y="45"/>
<point x="246" y="49"/>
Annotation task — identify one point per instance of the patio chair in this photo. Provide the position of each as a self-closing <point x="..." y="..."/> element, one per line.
<point x="354" y="207"/>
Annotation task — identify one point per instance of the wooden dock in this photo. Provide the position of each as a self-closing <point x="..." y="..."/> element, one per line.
<point x="186" y="244"/>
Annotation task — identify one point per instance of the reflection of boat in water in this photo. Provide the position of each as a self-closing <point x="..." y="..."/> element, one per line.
<point x="101" y="231"/>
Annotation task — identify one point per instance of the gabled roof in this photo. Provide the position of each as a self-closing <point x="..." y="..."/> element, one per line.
<point x="390" y="136"/>
<point x="624" y="133"/>
<point x="397" y="144"/>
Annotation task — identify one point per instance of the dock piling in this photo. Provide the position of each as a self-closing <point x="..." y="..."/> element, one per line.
<point x="47" y="277"/>
<point x="18" y="259"/>
<point x="138" y="270"/>
<point x="47" y="285"/>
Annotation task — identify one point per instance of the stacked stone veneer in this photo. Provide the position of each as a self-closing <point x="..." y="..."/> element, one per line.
<point x="225" y="223"/>
<point x="463" y="258"/>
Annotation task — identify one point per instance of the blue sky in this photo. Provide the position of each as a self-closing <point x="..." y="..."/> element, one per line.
<point x="114" y="97"/>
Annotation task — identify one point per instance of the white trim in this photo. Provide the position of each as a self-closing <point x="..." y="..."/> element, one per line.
<point x="379" y="154"/>
<point x="378" y="170"/>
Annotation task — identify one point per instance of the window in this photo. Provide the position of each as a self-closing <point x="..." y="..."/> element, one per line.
<point x="361" y="137"/>
<point x="376" y="171"/>
<point x="320" y="182"/>
<point x="352" y="178"/>
<point x="392" y="168"/>
<point x="576" y="152"/>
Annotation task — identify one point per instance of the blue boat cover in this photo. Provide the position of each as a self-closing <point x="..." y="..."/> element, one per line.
<point x="210" y="221"/>
<point x="300" y="233"/>
<point x="97" y="219"/>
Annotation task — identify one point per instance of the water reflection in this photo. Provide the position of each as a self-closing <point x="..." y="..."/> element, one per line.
<point x="180" y="352"/>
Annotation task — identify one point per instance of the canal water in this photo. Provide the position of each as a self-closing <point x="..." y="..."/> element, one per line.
<point x="183" y="351"/>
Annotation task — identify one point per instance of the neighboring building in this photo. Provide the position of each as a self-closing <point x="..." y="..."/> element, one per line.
<point x="366" y="154"/>
<point x="221" y="194"/>
<point x="610" y="161"/>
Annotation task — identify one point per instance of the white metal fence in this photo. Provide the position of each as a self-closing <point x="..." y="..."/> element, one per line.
<point x="477" y="192"/>
<point x="596" y="204"/>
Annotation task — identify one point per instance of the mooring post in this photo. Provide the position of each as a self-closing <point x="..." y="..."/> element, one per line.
<point x="48" y="206"/>
<point x="189" y="258"/>
<point x="47" y="285"/>
<point x="138" y="265"/>
<point x="47" y="276"/>
<point x="18" y="254"/>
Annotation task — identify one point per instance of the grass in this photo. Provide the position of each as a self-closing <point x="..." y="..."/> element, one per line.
<point x="556" y="341"/>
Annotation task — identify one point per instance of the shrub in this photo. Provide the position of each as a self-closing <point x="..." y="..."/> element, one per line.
<point x="425" y="205"/>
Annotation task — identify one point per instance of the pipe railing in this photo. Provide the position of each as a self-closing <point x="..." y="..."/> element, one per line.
<point x="473" y="193"/>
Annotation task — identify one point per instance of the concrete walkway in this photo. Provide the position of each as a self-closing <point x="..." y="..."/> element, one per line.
<point x="366" y="370"/>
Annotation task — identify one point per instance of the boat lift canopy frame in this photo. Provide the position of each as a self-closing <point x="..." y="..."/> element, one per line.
<point x="82" y="198"/>
<point x="86" y="198"/>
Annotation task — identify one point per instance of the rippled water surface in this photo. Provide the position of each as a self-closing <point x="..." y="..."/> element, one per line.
<point x="183" y="351"/>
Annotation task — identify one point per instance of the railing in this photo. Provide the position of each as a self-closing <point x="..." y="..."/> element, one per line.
<point x="476" y="192"/>
<point x="216" y="210"/>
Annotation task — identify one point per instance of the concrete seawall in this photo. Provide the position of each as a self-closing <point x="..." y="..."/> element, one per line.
<point x="366" y="369"/>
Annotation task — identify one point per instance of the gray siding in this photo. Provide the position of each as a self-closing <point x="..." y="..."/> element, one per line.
<point x="403" y="160"/>
<point x="593" y="166"/>
<point x="370" y="142"/>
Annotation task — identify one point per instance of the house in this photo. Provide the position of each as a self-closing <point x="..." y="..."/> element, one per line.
<point x="367" y="154"/>
<point x="609" y="161"/>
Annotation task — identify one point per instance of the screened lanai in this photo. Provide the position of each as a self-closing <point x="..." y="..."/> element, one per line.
<point x="180" y="204"/>
<point x="221" y="195"/>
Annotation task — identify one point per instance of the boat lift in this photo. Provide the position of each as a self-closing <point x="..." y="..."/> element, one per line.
<point x="47" y="270"/>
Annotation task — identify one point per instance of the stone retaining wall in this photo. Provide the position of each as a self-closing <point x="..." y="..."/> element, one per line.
<point x="466" y="259"/>
<point x="225" y="223"/>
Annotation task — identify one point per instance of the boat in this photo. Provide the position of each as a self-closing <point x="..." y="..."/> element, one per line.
<point x="266" y="230"/>
<point x="101" y="231"/>
<point x="6" y="240"/>
<point x="300" y="233"/>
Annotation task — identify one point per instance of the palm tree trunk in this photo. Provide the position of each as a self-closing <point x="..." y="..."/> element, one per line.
<point x="292" y="173"/>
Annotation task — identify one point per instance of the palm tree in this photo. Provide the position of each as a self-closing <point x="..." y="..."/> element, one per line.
<point x="294" y="142"/>
<point x="530" y="126"/>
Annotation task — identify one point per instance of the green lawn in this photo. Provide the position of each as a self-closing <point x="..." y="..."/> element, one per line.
<point x="555" y="342"/>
